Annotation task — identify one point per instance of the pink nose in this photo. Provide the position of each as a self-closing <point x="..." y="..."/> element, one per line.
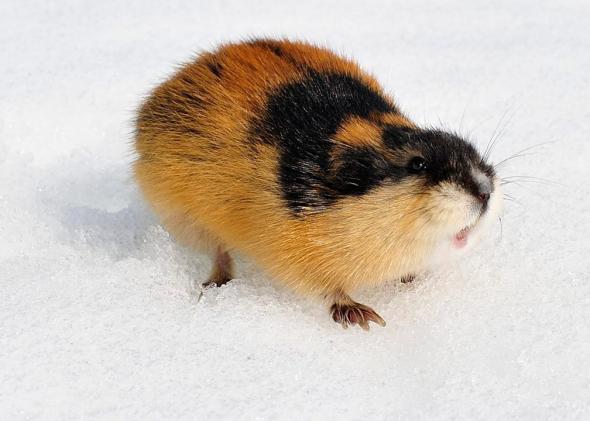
<point x="483" y="197"/>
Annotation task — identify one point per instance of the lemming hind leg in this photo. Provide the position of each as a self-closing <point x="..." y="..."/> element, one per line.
<point x="222" y="271"/>
<point x="346" y="311"/>
<point x="190" y="233"/>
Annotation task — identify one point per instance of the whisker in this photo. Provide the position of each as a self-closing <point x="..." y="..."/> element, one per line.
<point x="522" y="152"/>
<point x="511" y="157"/>
<point x="488" y="145"/>
<point x="518" y="182"/>
<point x="497" y="133"/>
<point x="512" y="199"/>
<point x="536" y="193"/>
<point x="505" y="182"/>
<point x="465" y="109"/>
<point x="529" y="178"/>
<point x="509" y="197"/>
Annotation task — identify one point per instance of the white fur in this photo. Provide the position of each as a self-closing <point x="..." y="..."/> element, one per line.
<point x="466" y="204"/>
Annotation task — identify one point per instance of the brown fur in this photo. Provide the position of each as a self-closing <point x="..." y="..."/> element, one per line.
<point x="195" y="167"/>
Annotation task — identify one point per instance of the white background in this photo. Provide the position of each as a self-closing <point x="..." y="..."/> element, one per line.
<point x="98" y="316"/>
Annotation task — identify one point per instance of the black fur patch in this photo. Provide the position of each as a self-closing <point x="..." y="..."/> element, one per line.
<point x="300" y="119"/>
<point x="397" y="137"/>
<point x="359" y="170"/>
<point x="449" y="158"/>
<point x="191" y="100"/>
<point x="174" y="112"/>
<point x="215" y="68"/>
<point x="192" y="131"/>
<point x="275" y="48"/>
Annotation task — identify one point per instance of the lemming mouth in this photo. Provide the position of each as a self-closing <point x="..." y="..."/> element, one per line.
<point x="460" y="238"/>
<point x="464" y="232"/>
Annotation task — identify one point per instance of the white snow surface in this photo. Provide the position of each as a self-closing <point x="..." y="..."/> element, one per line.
<point x="98" y="311"/>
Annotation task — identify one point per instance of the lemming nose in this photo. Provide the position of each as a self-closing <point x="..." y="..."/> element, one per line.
<point x="483" y="192"/>
<point x="483" y="197"/>
<point x="483" y="187"/>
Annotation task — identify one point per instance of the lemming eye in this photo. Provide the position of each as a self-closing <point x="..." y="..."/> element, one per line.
<point x="417" y="164"/>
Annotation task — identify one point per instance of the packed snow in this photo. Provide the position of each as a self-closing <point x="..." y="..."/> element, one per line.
<point x="99" y="316"/>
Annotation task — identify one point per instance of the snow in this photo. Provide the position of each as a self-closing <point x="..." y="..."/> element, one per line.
<point x="98" y="311"/>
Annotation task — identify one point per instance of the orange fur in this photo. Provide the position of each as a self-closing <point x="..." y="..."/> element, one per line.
<point x="195" y="167"/>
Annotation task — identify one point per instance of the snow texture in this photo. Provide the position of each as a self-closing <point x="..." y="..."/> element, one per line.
<point x="98" y="311"/>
